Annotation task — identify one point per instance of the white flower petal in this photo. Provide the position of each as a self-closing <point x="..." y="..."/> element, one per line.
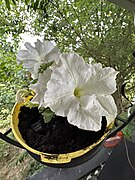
<point x="39" y="47"/>
<point x="61" y="105"/>
<point x="44" y="48"/>
<point x="82" y="119"/>
<point x="108" y="103"/>
<point x="92" y="105"/>
<point x="76" y="67"/>
<point x="47" y="51"/>
<point x="103" y="82"/>
<point x="77" y="90"/>
<point x="34" y="57"/>
<point x="59" y="95"/>
<point x="97" y="66"/>
<point x="90" y="112"/>
<point x="23" y="55"/>
<point x="53" y="55"/>
<point x="31" y="49"/>
<point x="40" y="87"/>
<point x="94" y="111"/>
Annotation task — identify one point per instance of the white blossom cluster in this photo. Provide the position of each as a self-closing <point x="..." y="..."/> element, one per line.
<point x="70" y="87"/>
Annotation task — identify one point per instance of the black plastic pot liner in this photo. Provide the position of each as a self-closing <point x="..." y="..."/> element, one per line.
<point x="117" y="166"/>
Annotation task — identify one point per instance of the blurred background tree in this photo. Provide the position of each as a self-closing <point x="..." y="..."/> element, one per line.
<point x="12" y="77"/>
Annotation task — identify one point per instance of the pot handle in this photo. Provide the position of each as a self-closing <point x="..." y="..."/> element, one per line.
<point x="4" y="137"/>
<point x="124" y="123"/>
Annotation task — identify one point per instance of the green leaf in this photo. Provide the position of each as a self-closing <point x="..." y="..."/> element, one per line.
<point x="47" y="114"/>
<point x="43" y="67"/>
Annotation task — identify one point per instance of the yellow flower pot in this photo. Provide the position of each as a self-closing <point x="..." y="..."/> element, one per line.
<point x="56" y="160"/>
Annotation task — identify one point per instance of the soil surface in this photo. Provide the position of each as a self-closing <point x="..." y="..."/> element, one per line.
<point x="57" y="136"/>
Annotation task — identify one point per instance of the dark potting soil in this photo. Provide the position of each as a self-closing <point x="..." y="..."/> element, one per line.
<point x="57" y="136"/>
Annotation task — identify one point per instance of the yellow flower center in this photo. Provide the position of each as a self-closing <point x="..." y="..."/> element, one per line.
<point x="77" y="92"/>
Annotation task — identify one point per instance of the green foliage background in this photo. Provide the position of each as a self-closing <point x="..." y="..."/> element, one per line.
<point x="12" y="77"/>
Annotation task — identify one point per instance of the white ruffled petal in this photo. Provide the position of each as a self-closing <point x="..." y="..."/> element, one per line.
<point x="31" y="49"/>
<point x="59" y="95"/>
<point x="24" y="55"/>
<point x="47" y="51"/>
<point x="80" y="92"/>
<point x="97" y="66"/>
<point x="108" y="103"/>
<point x="38" y="47"/>
<point x="76" y="67"/>
<point x="53" y="55"/>
<point x="61" y="105"/>
<point x="82" y="119"/>
<point x="90" y="112"/>
<point x="34" y="57"/>
<point x="103" y="83"/>
<point x="40" y="87"/>
<point x="47" y="47"/>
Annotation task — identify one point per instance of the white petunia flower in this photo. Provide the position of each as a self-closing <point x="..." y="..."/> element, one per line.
<point x="82" y="92"/>
<point x="40" y="87"/>
<point x="33" y="57"/>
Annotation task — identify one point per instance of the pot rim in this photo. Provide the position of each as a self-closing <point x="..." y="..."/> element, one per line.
<point x="46" y="157"/>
